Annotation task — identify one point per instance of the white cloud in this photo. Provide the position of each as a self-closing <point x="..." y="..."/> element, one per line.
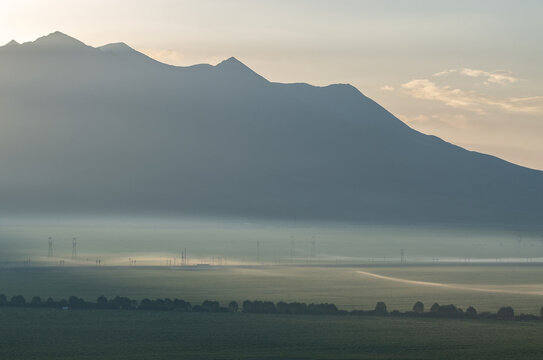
<point x="471" y="100"/>
<point x="445" y="72"/>
<point x="501" y="77"/>
<point x="387" y="88"/>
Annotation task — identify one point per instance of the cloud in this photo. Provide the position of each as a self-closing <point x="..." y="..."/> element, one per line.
<point x="501" y="77"/>
<point x="471" y="100"/>
<point x="387" y="88"/>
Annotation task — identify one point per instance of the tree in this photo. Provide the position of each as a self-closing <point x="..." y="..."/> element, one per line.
<point x="77" y="303"/>
<point x="381" y="308"/>
<point x="50" y="302"/>
<point x="146" y="304"/>
<point x="101" y="302"/>
<point x="36" y="301"/>
<point x="435" y="308"/>
<point x="418" y="308"/>
<point x="233" y="306"/>
<point x="471" y="312"/>
<point x="448" y="311"/>
<point x="17" y="300"/>
<point x="505" y="313"/>
<point x="181" y="305"/>
<point x="211" y="306"/>
<point x="3" y="300"/>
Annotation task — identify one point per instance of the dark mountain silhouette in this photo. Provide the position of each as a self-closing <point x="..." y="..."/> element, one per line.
<point x="110" y="130"/>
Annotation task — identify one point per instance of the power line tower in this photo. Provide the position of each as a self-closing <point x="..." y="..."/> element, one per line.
<point x="184" y="257"/>
<point x="313" y="250"/>
<point x="519" y="242"/>
<point x="50" y="250"/>
<point x="74" y="248"/>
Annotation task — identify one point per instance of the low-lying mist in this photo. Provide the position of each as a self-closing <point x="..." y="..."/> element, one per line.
<point x="159" y="241"/>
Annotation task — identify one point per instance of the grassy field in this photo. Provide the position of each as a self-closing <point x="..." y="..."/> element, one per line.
<point x="495" y="286"/>
<point x="108" y="334"/>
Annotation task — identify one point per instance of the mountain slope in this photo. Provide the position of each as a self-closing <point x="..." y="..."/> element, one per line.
<point x="94" y="130"/>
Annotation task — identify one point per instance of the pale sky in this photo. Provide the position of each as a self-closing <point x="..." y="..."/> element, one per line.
<point x="467" y="71"/>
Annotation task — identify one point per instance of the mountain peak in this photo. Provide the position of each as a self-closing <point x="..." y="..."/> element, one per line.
<point x="58" y="40"/>
<point x="235" y="67"/>
<point x="116" y="47"/>
<point x="12" y="43"/>
<point x="231" y="62"/>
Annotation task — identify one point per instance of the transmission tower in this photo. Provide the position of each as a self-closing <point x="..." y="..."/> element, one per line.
<point x="50" y="250"/>
<point x="74" y="248"/>
<point x="313" y="251"/>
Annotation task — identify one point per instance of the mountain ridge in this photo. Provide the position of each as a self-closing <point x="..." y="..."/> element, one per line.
<point x="110" y="133"/>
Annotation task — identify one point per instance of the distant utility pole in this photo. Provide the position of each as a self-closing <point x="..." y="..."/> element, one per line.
<point x="184" y="257"/>
<point x="258" y="252"/>
<point x="313" y="250"/>
<point x="292" y="251"/>
<point x="74" y="248"/>
<point x="402" y="256"/>
<point x="50" y="250"/>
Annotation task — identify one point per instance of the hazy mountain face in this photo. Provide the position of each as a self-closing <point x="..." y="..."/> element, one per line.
<point x="109" y="130"/>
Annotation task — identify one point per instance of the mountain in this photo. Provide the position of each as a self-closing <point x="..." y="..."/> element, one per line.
<point x="108" y="130"/>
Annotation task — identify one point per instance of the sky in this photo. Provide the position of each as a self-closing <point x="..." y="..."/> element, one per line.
<point x="467" y="71"/>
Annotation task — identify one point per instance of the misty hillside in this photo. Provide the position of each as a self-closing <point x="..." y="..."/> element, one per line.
<point x="109" y="130"/>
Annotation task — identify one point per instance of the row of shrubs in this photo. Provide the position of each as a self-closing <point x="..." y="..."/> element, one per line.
<point x="261" y="307"/>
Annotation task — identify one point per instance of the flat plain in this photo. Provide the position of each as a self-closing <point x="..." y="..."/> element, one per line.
<point x="113" y="334"/>
<point x="486" y="287"/>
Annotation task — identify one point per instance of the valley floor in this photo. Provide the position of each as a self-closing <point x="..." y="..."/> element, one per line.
<point x="485" y="287"/>
<point x="109" y="334"/>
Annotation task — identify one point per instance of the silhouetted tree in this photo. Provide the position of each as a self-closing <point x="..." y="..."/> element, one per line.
<point x="259" y="307"/>
<point x="50" y="303"/>
<point x="471" y="312"/>
<point x="17" y="300"/>
<point x="146" y="304"/>
<point x="101" y="302"/>
<point x="181" y="305"/>
<point x="434" y="308"/>
<point x="380" y="308"/>
<point x="322" y="309"/>
<point x="233" y="306"/>
<point x="211" y="306"/>
<point x="76" y="303"/>
<point x="36" y="302"/>
<point x="418" y="308"/>
<point x="3" y="300"/>
<point x="291" y="308"/>
<point x="505" y="313"/>
<point x="449" y="311"/>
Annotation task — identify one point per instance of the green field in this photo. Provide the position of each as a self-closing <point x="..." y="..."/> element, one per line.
<point x="110" y="334"/>
<point x="373" y="275"/>
<point x="485" y="287"/>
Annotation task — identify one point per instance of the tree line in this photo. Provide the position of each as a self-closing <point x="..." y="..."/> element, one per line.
<point x="261" y="307"/>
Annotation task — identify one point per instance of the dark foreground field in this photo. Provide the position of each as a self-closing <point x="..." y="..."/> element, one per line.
<point x="109" y="334"/>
